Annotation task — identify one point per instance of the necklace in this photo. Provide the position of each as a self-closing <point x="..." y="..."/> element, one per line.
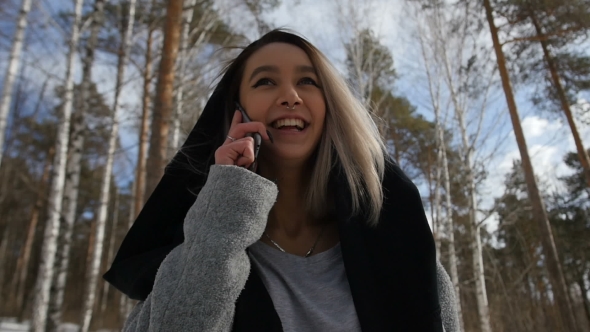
<point x="310" y="250"/>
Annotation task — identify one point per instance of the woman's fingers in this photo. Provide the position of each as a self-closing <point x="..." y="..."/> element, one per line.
<point x="238" y="148"/>
<point x="239" y="152"/>
<point x="238" y="130"/>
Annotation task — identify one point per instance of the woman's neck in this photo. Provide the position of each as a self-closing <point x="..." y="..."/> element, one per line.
<point x="289" y="224"/>
<point x="288" y="215"/>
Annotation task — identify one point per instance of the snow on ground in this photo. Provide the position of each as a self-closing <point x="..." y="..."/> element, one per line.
<point x="11" y="325"/>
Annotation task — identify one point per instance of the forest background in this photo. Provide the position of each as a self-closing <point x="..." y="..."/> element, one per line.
<point x="483" y="103"/>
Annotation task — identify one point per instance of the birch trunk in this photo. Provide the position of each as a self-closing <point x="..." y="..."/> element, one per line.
<point x="162" y="114"/>
<point x="140" y="171"/>
<point x="73" y="174"/>
<point x="430" y="51"/>
<point x="50" y="237"/>
<point x="111" y="251"/>
<point x="436" y="221"/>
<point x="460" y="108"/>
<point x="451" y="232"/>
<point x="182" y="59"/>
<point x="94" y="267"/>
<point x="12" y="69"/>
<point x="559" y="288"/>
<point x="476" y="251"/>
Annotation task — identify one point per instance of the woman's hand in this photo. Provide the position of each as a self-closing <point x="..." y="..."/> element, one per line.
<point x="239" y="152"/>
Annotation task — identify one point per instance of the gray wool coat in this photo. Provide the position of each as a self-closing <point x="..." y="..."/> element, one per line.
<point x="198" y="283"/>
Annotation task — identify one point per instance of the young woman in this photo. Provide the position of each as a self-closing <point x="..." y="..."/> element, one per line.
<point x="321" y="231"/>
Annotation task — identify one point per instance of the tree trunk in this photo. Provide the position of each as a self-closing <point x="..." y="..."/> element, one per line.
<point x="3" y="259"/>
<point x="140" y="172"/>
<point x="584" y="291"/>
<point x="434" y="91"/>
<point x="182" y="59"/>
<point x="73" y="175"/>
<point x="436" y="220"/>
<point x="565" y="106"/>
<point x="110" y="252"/>
<point x="451" y="233"/>
<point x="538" y="208"/>
<point x="11" y="70"/>
<point x="158" y="149"/>
<point x="94" y="268"/>
<point x="22" y="265"/>
<point x="49" y="248"/>
<point x="476" y="251"/>
<point x="468" y="164"/>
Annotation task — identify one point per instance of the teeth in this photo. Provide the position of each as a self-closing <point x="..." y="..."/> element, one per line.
<point x="289" y="122"/>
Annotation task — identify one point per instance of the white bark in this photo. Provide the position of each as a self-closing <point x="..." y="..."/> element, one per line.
<point x="94" y="268"/>
<point x="201" y="34"/>
<point x="450" y="225"/>
<point x="11" y="70"/>
<point x="455" y="76"/>
<point x="50" y="237"/>
<point x="476" y="252"/>
<point x="182" y="60"/>
<point x="111" y="251"/>
<point x="73" y="174"/>
<point x="433" y="42"/>
<point x="436" y="220"/>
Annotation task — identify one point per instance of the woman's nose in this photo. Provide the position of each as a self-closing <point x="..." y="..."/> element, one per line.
<point x="289" y="97"/>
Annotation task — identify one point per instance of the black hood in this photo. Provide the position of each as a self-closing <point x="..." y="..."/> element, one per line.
<point x="158" y="227"/>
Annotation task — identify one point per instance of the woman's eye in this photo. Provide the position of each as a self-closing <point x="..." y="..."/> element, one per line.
<point x="263" y="81"/>
<point x="308" y="80"/>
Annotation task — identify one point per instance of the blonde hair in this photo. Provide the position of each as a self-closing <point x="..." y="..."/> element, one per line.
<point x="352" y="133"/>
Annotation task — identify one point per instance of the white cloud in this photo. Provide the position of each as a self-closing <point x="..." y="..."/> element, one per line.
<point x="534" y="126"/>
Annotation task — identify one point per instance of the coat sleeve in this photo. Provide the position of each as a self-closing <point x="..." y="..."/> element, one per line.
<point x="198" y="283"/>
<point x="448" y="301"/>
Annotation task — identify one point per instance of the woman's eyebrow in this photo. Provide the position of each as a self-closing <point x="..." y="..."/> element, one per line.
<point x="261" y="69"/>
<point x="275" y="69"/>
<point x="306" y="69"/>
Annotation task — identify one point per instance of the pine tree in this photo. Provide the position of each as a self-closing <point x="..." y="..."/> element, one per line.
<point x="538" y="206"/>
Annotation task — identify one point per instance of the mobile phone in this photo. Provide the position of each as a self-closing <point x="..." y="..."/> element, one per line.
<point x="256" y="136"/>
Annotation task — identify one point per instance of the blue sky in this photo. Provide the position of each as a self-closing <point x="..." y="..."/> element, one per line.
<point x="548" y="138"/>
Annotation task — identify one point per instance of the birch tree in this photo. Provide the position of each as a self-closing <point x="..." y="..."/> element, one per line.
<point x="187" y="18"/>
<point x="73" y="171"/>
<point x="457" y="78"/>
<point x="429" y="49"/>
<point x="556" y="276"/>
<point x="11" y="70"/>
<point x="49" y="247"/>
<point x="93" y="270"/>
<point x="111" y="249"/>
<point x="451" y="53"/>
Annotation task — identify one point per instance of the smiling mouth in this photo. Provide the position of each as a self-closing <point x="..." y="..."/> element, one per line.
<point x="289" y="124"/>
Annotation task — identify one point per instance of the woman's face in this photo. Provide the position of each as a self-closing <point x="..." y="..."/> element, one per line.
<point x="280" y="88"/>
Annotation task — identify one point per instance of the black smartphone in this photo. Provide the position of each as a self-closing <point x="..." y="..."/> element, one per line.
<point x="256" y="136"/>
